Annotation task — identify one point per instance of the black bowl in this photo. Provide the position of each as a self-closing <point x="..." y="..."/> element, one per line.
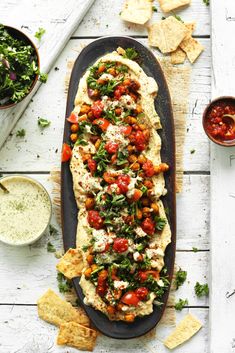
<point x="96" y="49"/>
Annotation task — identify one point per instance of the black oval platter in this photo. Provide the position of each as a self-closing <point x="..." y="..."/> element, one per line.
<point x="96" y="49"/>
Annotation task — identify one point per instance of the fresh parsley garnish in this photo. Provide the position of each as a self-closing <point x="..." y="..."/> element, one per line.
<point x="64" y="284"/>
<point x="52" y="230"/>
<point x="130" y="53"/>
<point x="50" y="247"/>
<point x="39" y="33"/>
<point x="180" y="304"/>
<point x="81" y="142"/>
<point x="201" y="289"/>
<point x="43" y="77"/>
<point x="43" y="122"/>
<point x="21" y="133"/>
<point x="180" y="278"/>
<point x="160" y="223"/>
<point x="195" y="249"/>
<point x="206" y="2"/>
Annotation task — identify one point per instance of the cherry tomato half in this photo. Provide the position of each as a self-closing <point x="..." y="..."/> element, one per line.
<point x="73" y="118"/>
<point x="97" y="109"/>
<point x="66" y="153"/>
<point x="122" y="182"/>
<point x="148" y="168"/>
<point x="95" y="220"/>
<point x="143" y="275"/>
<point x="142" y="293"/>
<point x="111" y="147"/>
<point x="126" y="130"/>
<point x="91" y="165"/>
<point x="120" y="245"/>
<point x="130" y="298"/>
<point x="119" y="91"/>
<point x="148" y="226"/>
<point x="102" y="123"/>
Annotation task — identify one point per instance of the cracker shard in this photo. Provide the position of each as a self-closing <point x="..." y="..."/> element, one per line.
<point x="167" y="34"/>
<point x="178" y="56"/>
<point x="187" y="327"/>
<point x="75" y="335"/>
<point x="56" y="311"/>
<point x="71" y="264"/>
<point x="192" y="48"/>
<point x="169" y="5"/>
<point x="137" y="11"/>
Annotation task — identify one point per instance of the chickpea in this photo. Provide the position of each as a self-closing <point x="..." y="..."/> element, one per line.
<point x="135" y="166"/>
<point x="103" y="274"/>
<point x="142" y="127"/>
<point x="139" y="214"/>
<point x="85" y="108"/>
<point x="141" y="174"/>
<point x="100" y="81"/>
<point x="135" y="127"/>
<point x="150" y="193"/>
<point x="146" y="211"/>
<point x="93" y="267"/>
<point x="138" y="109"/>
<point x="129" y="317"/>
<point x="90" y="115"/>
<point x="86" y="156"/>
<point x="130" y="148"/>
<point x="145" y="201"/>
<point x="94" y="93"/>
<point x="146" y="134"/>
<point x="148" y="183"/>
<point x="132" y="158"/>
<point x="118" y="111"/>
<point x="112" y="71"/>
<point x="74" y="128"/>
<point x="73" y="137"/>
<point x="87" y="272"/>
<point x="140" y="258"/>
<point x="111" y="310"/>
<point x="90" y="259"/>
<point x="161" y="168"/>
<point x="101" y="68"/>
<point x="89" y="203"/>
<point x="133" y="96"/>
<point x="97" y="144"/>
<point x="155" y="207"/>
<point x="142" y="159"/>
<point x="126" y="82"/>
<point x="119" y="306"/>
<point x="132" y="120"/>
<point x="164" y="167"/>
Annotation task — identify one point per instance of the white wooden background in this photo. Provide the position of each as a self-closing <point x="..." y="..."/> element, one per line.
<point x="26" y="273"/>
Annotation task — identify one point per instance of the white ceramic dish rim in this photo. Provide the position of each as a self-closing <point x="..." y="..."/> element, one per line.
<point x="32" y="180"/>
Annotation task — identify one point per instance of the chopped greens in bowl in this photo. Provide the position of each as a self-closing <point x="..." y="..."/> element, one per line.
<point x="19" y="66"/>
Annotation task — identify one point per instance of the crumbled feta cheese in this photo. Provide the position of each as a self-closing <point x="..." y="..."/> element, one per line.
<point x="114" y="133"/>
<point x="99" y="245"/>
<point x="127" y="101"/>
<point x="160" y="283"/>
<point x="120" y="284"/>
<point x="87" y="129"/>
<point x="140" y="233"/>
<point x="136" y="255"/>
<point x="154" y="263"/>
<point x="108" y="103"/>
<point x="106" y="77"/>
<point x="131" y="186"/>
<point x="101" y="239"/>
<point x="154" y="253"/>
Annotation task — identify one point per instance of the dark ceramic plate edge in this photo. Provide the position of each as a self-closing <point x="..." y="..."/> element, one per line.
<point x="99" y="47"/>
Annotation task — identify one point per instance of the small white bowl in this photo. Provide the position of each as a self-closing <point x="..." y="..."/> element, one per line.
<point x="25" y="212"/>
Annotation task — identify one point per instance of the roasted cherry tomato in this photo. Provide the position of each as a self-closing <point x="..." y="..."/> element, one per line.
<point x="120" y="245"/>
<point x="95" y="220"/>
<point x="130" y="298"/>
<point x="109" y="178"/>
<point x="148" y="226"/>
<point x="119" y="91"/>
<point x="102" y="123"/>
<point x="126" y="130"/>
<point x="143" y="275"/>
<point x="122" y="182"/>
<point x="142" y="293"/>
<point x="148" y="168"/>
<point x="101" y="290"/>
<point x="66" y="152"/>
<point x="111" y="147"/>
<point x="97" y="109"/>
<point x="91" y="165"/>
<point x="73" y="118"/>
<point x="140" y="142"/>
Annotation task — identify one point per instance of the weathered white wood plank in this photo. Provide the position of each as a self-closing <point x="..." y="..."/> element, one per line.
<point x="222" y="188"/>
<point x="59" y="23"/>
<point x="103" y="19"/>
<point x="38" y="150"/>
<point x="21" y="331"/>
<point x="27" y="272"/>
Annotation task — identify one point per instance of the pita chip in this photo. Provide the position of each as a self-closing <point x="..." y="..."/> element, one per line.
<point x="56" y="311"/>
<point x="71" y="264"/>
<point x="167" y="34"/>
<point x="169" y="5"/>
<point x="187" y="327"/>
<point x="75" y="335"/>
<point x="137" y="11"/>
<point x="192" y="48"/>
<point x="178" y="56"/>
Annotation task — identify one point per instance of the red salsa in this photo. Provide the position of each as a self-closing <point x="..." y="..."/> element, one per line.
<point x="217" y="124"/>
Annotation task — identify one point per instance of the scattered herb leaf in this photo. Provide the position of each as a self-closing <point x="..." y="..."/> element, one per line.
<point x="50" y="247"/>
<point x="64" y="284"/>
<point x="21" y="133"/>
<point x="154" y="9"/>
<point x="192" y="151"/>
<point x="201" y="289"/>
<point x="195" y="249"/>
<point x="130" y="53"/>
<point x="39" y="33"/>
<point x="180" y="278"/>
<point x="52" y="230"/>
<point x="206" y="2"/>
<point x="43" y="122"/>
<point x="180" y="304"/>
<point x="43" y="77"/>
